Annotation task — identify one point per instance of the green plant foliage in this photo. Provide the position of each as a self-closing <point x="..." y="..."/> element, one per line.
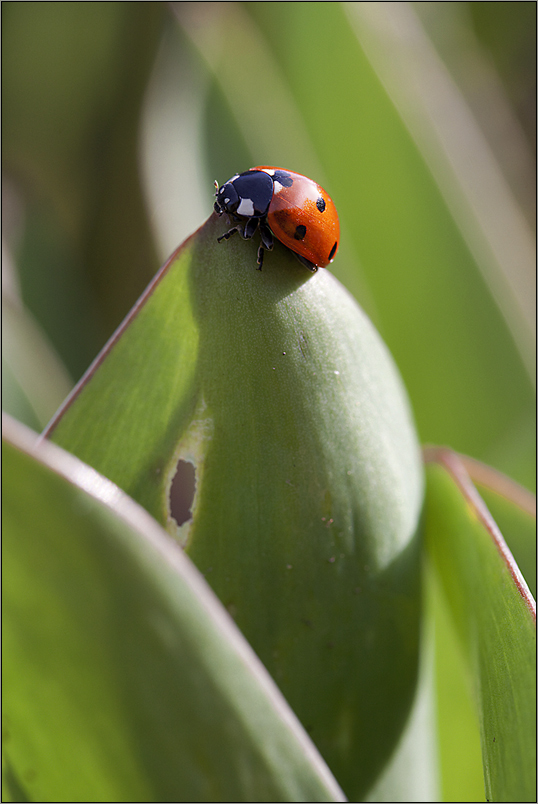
<point x="458" y="727"/>
<point x="117" y="117"/>
<point x="517" y="523"/>
<point x="74" y="81"/>
<point x="308" y="476"/>
<point x="458" y="732"/>
<point x="496" y="618"/>
<point x="125" y="680"/>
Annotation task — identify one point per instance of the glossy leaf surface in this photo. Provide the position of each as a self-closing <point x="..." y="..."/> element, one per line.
<point x="124" y="679"/>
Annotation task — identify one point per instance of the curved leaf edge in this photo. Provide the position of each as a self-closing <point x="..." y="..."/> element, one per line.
<point x="462" y="469"/>
<point x="133" y="312"/>
<point x="107" y="493"/>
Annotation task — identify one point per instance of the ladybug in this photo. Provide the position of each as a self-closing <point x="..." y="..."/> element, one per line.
<point x="285" y="205"/>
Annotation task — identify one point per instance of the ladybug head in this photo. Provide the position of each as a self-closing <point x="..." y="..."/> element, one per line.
<point x="227" y="198"/>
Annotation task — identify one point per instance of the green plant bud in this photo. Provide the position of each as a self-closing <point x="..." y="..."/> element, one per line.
<point x="272" y="392"/>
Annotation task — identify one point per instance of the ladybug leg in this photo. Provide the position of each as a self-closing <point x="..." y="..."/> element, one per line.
<point x="266" y="236"/>
<point x="228" y="234"/>
<point x="307" y="263"/>
<point x="250" y="228"/>
<point x="246" y="231"/>
<point x="260" y="258"/>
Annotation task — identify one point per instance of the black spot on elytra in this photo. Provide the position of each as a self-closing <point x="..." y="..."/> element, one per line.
<point x="333" y="251"/>
<point x="320" y="203"/>
<point x="300" y="232"/>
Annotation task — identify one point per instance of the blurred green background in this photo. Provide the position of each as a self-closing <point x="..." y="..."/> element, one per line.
<point x="418" y="119"/>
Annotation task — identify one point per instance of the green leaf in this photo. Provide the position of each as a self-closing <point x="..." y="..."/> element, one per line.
<point x="457" y="734"/>
<point x="412" y="771"/>
<point x="124" y="679"/>
<point x="496" y="617"/>
<point x="514" y="510"/>
<point x="277" y="389"/>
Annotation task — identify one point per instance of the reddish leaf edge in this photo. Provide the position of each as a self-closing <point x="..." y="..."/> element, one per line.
<point x="500" y="483"/>
<point x="133" y="312"/>
<point x="463" y="470"/>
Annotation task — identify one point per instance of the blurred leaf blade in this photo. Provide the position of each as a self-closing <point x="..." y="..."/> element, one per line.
<point x="469" y="178"/>
<point x="34" y="380"/>
<point x="114" y="643"/>
<point x="496" y="618"/>
<point x="85" y="250"/>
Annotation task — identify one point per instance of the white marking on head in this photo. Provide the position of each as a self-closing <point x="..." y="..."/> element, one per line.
<point x="277" y="186"/>
<point x="246" y="208"/>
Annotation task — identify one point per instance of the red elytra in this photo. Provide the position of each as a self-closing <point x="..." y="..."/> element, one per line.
<point x="303" y="216"/>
